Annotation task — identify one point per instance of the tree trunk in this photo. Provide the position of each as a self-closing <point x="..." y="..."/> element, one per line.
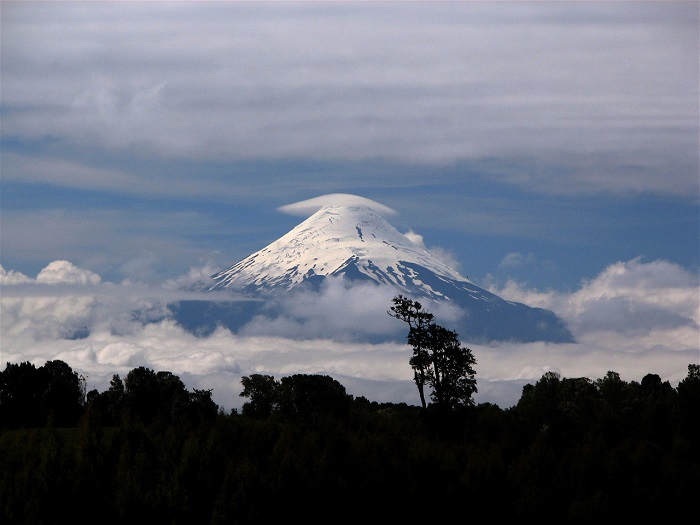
<point x="420" y="383"/>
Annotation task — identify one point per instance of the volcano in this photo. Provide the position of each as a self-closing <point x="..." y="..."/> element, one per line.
<point x="354" y="242"/>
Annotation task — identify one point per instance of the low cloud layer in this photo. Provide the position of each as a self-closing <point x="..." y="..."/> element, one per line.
<point x="634" y="318"/>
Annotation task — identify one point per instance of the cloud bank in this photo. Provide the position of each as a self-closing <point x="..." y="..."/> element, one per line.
<point x="634" y="318"/>
<point x="562" y="94"/>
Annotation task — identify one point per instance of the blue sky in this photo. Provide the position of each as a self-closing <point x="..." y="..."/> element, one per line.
<point x="541" y="148"/>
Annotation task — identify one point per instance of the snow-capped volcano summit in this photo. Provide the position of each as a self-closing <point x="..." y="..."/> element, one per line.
<point x="352" y="240"/>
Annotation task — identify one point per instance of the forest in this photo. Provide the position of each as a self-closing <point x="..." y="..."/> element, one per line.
<point x="148" y="450"/>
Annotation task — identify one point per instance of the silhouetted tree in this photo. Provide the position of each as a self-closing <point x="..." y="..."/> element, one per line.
<point x="561" y="410"/>
<point x="173" y="397"/>
<point x="438" y="359"/>
<point x="689" y="403"/>
<point x="451" y="375"/>
<point x="141" y="394"/>
<point x="305" y="397"/>
<point x="150" y="395"/>
<point x="578" y="404"/>
<point x="105" y="408"/>
<point x="201" y="408"/>
<point x="310" y="397"/>
<point x="263" y="392"/>
<point x="418" y="319"/>
<point x="21" y="390"/>
<point x="537" y="406"/>
<point x="63" y="397"/>
<point x="617" y="398"/>
<point x="656" y="404"/>
<point x="31" y="396"/>
<point x="115" y="396"/>
<point x="613" y="390"/>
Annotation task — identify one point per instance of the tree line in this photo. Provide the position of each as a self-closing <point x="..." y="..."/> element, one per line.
<point x="148" y="450"/>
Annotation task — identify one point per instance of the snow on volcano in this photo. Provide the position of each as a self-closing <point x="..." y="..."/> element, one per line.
<point x="350" y="239"/>
<point x="353" y="241"/>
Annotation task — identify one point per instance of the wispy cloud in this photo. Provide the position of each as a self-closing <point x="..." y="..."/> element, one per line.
<point x="515" y="260"/>
<point x="441" y="254"/>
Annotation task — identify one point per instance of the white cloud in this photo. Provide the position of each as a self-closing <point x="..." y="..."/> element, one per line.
<point x="196" y="277"/>
<point x="441" y="254"/>
<point x="626" y="337"/>
<point x="626" y="298"/>
<point x="65" y="272"/>
<point x="416" y="238"/>
<point x="553" y="90"/>
<point x="310" y="206"/>
<point x="65" y="301"/>
<point x="12" y="277"/>
<point x="338" y="311"/>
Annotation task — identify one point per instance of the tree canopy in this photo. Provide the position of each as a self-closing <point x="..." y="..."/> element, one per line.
<point x="299" y="397"/>
<point x="575" y="448"/>
<point x="439" y="360"/>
